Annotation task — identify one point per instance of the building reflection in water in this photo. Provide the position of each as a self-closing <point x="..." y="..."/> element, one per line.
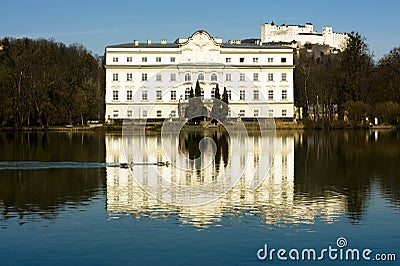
<point x="274" y="200"/>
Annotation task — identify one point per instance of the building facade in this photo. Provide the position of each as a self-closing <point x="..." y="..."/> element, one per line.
<point x="302" y="34"/>
<point x="151" y="80"/>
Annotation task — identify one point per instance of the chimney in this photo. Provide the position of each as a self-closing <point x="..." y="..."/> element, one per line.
<point x="148" y="41"/>
<point x="163" y="41"/>
<point x="136" y="42"/>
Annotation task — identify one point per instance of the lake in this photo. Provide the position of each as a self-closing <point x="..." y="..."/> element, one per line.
<point x="320" y="197"/>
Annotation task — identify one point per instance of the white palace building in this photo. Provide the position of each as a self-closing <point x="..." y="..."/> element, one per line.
<point x="150" y="80"/>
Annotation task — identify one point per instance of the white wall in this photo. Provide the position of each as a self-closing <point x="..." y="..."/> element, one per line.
<point x="199" y="47"/>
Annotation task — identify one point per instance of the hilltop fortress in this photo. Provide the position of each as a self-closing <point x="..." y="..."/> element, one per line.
<point x="301" y="35"/>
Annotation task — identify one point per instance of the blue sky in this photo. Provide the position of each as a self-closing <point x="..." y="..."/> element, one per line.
<point x="96" y="24"/>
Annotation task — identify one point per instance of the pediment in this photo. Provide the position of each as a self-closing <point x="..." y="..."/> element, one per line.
<point x="201" y="39"/>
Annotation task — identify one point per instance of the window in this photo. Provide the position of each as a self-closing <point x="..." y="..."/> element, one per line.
<point x="115" y="59"/>
<point x="158" y="95"/>
<point x="242" y="77"/>
<point x="129" y="59"/>
<point x="144" y="95"/>
<point x="241" y="60"/>
<point x="200" y="76"/>
<point x="255" y="60"/>
<point x="115" y="95"/>
<point x="283" y="77"/>
<point x="256" y="112"/>
<point x="144" y="113"/>
<point x="144" y="76"/>
<point x="159" y="113"/>
<point x="256" y="95"/>
<point x="202" y="94"/>
<point x="188" y="77"/>
<point x="212" y="93"/>
<point x="270" y="94"/>
<point x="129" y="95"/>
<point x="255" y="76"/>
<point x="270" y="76"/>
<point x="144" y="59"/>
<point x="173" y="77"/>
<point x="115" y="113"/>
<point x="284" y="160"/>
<point x="228" y="77"/>
<point x="187" y="93"/>
<point x="283" y="60"/>
<point x="284" y="113"/>
<point x="129" y="77"/>
<point x="229" y="94"/>
<point x="173" y="95"/>
<point x="129" y="113"/>
<point x="242" y="112"/>
<point x="173" y="113"/>
<point x="228" y="60"/>
<point x="284" y="94"/>
<point x="242" y="95"/>
<point x="214" y="77"/>
<point x="229" y="112"/>
<point x="172" y="59"/>
<point x="158" y="77"/>
<point x="158" y="59"/>
<point x="115" y="76"/>
<point x="271" y="113"/>
<point x="270" y="59"/>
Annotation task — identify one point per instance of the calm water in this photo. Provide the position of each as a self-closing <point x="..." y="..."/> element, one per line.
<point x="62" y="202"/>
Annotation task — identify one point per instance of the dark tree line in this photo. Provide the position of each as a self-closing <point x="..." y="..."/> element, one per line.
<point x="46" y="83"/>
<point x="348" y="86"/>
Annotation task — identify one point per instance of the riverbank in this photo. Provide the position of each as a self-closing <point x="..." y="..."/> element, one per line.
<point x="279" y="125"/>
<point x="56" y="128"/>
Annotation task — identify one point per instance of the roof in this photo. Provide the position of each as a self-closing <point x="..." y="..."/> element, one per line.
<point x="248" y="44"/>
<point x="224" y="45"/>
<point x="144" y="45"/>
<point x="255" y="46"/>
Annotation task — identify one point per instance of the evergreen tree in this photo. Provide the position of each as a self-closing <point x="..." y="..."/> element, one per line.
<point x="225" y="97"/>
<point x="195" y="111"/>
<point x="191" y="94"/>
<point x="219" y="110"/>
<point x="216" y="94"/>
<point x="197" y="90"/>
<point x="225" y="108"/>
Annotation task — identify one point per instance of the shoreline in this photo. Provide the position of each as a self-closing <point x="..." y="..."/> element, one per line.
<point x="250" y="126"/>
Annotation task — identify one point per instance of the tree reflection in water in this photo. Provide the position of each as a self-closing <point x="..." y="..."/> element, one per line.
<point x="44" y="192"/>
<point x="190" y="143"/>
